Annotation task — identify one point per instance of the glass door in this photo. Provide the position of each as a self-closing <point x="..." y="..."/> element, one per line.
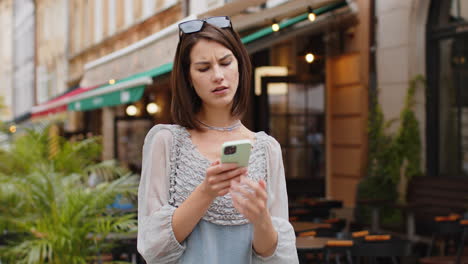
<point x="295" y="116"/>
<point x="453" y="106"/>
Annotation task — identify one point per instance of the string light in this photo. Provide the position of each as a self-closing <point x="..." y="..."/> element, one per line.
<point x="309" y="57"/>
<point x="152" y="108"/>
<point x="111" y="81"/>
<point x="312" y="16"/>
<point x="12" y="129"/>
<point x="275" y="26"/>
<point x="131" y="110"/>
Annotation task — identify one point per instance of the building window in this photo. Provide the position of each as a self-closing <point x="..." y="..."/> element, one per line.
<point x="447" y="98"/>
<point x="453" y="106"/>
<point x="296" y="118"/>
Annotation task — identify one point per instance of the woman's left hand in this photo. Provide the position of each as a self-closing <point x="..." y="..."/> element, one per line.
<point x="250" y="199"/>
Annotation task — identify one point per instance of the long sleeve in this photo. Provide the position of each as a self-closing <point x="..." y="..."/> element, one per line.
<point x="156" y="240"/>
<point x="286" y="251"/>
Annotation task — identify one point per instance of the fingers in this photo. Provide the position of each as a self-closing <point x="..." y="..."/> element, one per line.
<point x="219" y="176"/>
<point x="223" y="192"/>
<point x="249" y="198"/>
<point x="222" y="185"/>
<point x="242" y="203"/>
<point x="225" y="175"/>
<point x="262" y="184"/>
<point x="253" y="191"/>
<point x="238" y="202"/>
<point x="233" y="173"/>
<point x="254" y="210"/>
<point x="218" y="168"/>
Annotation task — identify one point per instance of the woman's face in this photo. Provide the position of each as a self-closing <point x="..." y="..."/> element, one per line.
<point x="214" y="73"/>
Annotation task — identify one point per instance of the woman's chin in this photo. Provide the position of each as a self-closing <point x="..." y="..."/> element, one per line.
<point x="221" y="103"/>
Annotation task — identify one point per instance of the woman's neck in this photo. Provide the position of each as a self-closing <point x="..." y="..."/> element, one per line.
<point x="216" y="117"/>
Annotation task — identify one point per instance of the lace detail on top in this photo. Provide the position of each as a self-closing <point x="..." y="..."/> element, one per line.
<point x="188" y="168"/>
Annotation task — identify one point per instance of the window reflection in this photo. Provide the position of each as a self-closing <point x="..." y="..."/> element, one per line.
<point x="297" y="122"/>
<point x="453" y="107"/>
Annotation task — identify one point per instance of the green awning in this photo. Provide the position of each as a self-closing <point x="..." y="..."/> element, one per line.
<point x="110" y="99"/>
<point x="123" y="92"/>
<point x="292" y="21"/>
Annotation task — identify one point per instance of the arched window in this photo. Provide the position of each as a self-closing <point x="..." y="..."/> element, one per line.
<point x="447" y="94"/>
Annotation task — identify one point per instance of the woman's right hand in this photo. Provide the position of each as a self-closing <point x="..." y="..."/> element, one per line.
<point x="218" y="178"/>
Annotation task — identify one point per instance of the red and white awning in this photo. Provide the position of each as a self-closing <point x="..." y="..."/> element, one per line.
<point x="58" y="104"/>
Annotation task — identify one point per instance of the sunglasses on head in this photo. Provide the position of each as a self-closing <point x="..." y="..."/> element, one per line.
<point x="196" y="25"/>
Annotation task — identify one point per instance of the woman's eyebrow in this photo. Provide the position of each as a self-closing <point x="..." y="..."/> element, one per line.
<point x="207" y="62"/>
<point x="225" y="57"/>
<point x="202" y="62"/>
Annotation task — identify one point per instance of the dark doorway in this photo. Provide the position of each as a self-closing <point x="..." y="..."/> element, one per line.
<point x="293" y="112"/>
<point x="447" y="95"/>
<point x="130" y="134"/>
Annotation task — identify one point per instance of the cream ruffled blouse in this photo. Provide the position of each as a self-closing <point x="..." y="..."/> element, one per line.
<point x="172" y="169"/>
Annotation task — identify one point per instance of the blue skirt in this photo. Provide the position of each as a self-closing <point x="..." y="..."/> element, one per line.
<point x="212" y="244"/>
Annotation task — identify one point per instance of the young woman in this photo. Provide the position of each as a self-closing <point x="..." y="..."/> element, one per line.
<point x="192" y="208"/>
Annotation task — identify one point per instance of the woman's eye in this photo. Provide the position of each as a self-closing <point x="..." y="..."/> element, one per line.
<point x="226" y="63"/>
<point x="203" y="69"/>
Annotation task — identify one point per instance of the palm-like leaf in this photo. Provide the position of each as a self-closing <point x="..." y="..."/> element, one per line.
<point x="61" y="218"/>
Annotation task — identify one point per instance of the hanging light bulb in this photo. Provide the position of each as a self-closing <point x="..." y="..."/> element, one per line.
<point x="12" y="129"/>
<point x="275" y="26"/>
<point x="152" y="108"/>
<point x="309" y="57"/>
<point x="111" y="81"/>
<point x="131" y="110"/>
<point x="311" y="15"/>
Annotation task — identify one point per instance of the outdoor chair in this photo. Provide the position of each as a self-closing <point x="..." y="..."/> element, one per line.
<point x="339" y="249"/>
<point x="450" y="227"/>
<point x="328" y="228"/>
<point x="379" y="247"/>
<point x="447" y="232"/>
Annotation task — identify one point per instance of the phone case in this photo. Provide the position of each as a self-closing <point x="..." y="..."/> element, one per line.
<point x="240" y="156"/>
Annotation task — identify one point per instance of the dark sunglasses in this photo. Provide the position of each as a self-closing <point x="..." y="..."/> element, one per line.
<point x="196" y="25"/>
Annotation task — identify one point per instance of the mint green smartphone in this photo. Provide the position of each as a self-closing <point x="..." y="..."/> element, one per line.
<point x="237" y="151"/>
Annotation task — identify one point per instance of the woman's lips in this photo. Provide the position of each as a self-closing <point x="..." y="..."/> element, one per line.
<point x="220" y="90"/>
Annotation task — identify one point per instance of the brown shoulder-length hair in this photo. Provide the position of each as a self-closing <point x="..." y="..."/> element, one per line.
<point x="185" y="101"/>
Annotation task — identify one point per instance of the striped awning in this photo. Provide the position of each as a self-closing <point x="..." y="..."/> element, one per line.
<point x="123" y="92"/>
<point x="58" y="104"/>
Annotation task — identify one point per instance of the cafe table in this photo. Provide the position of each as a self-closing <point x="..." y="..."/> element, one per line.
<point x="300" y="226"/>
<point x="313" y="245"/>
<point x="313" y="208"/>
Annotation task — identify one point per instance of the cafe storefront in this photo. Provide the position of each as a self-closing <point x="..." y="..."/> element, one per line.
<point x="310" y="93"/>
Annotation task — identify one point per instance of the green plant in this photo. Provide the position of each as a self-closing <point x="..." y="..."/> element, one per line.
<point x="30" y="152"/>
<point x="408" y="141"/>
<point x="393" y="158"/>
<point x="46" y="202"/>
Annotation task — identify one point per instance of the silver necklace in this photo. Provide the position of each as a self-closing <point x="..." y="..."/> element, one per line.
<point x="228" y="128"/>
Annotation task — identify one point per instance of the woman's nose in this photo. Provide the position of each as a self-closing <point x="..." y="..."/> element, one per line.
<point x="218" y="74"/>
